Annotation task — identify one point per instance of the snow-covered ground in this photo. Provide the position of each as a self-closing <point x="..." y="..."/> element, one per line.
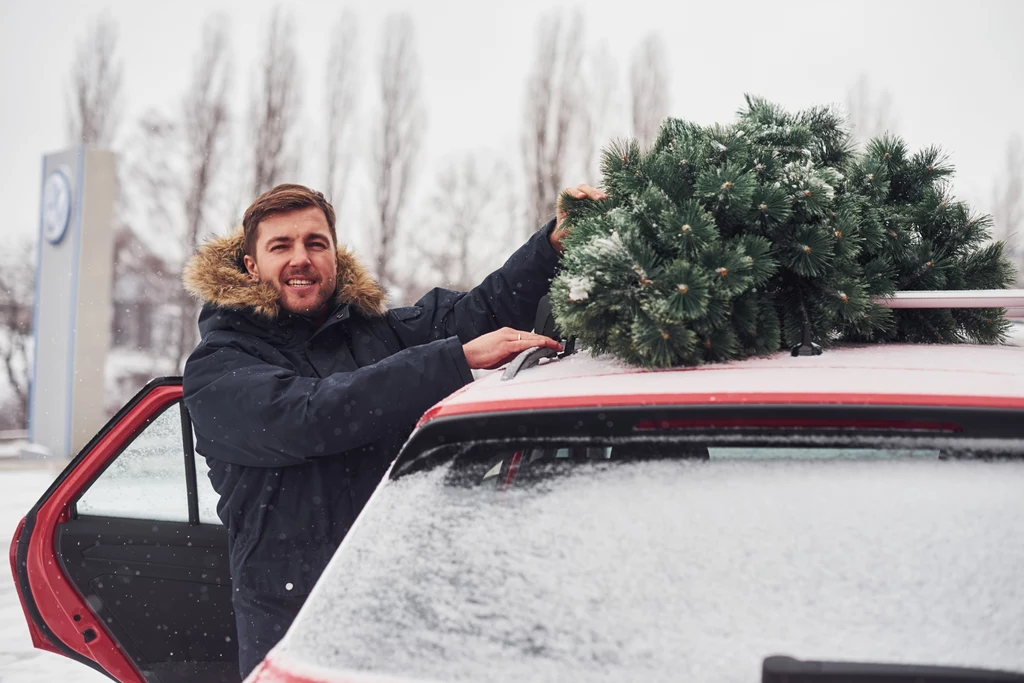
<point x="20" y="487"/>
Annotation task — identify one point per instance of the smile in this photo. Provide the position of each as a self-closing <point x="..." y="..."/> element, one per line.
<point x="299" y="283"/>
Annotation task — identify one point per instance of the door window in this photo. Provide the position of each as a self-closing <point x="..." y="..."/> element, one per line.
<point x="147" y="480"/>
<point x="150" y="477"/>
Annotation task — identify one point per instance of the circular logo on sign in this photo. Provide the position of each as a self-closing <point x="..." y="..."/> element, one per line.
<point x="56" y="206"/>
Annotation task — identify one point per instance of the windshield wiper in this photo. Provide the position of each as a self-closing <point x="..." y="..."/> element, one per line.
<point x="788" y="670"/>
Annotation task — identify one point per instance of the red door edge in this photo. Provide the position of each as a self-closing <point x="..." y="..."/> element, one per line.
<point x="56" y="598"/>
<point x="39" y="641"/>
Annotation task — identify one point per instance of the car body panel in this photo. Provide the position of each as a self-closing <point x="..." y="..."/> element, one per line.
<point x="916" y="381"/>
<point x="39" y="641"/>
<point x="970" y="389"/>
<point x="898" y="374"/>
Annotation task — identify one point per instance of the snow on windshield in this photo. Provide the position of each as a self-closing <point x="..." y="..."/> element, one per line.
<point x="671" y="570"/>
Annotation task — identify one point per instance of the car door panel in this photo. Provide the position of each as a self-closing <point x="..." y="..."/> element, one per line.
<point x="163" y="590"/>
<point x="141" y="600"/>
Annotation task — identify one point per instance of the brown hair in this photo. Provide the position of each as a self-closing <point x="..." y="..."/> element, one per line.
<point x="282" y="199"/>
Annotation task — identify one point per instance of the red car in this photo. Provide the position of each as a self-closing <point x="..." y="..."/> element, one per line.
<point x="583" y="520"/>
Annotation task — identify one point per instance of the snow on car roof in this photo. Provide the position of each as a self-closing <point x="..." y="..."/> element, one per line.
<point x="912" y="374"/>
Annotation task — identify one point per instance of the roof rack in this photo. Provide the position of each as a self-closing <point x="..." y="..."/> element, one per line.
<point x="938" y="298"/>
<point x="543" y="324"/>
<point x="942" y="298"/>
<point x="527" y="359"/>
<point x="953" y="298"/>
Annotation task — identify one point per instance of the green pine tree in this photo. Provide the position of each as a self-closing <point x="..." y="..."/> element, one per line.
<point x="723" y="242"/>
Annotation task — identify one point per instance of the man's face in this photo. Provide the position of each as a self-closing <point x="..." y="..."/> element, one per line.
<point x="296" y="256"/>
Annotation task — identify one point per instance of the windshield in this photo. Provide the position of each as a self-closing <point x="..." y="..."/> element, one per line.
<point x="675" y="561"/>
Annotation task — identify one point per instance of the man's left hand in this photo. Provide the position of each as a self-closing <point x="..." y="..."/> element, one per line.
<point x="580" y="191"/>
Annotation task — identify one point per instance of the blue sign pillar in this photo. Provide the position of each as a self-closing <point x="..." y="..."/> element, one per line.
<point x="71" y="318"/>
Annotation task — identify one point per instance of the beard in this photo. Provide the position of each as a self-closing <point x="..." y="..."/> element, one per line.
<point x="302" y="298"/>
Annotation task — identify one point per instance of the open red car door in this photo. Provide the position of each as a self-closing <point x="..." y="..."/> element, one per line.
<point x="122" y="564"/>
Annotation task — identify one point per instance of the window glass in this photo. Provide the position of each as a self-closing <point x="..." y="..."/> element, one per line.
<point x="657" y="562"/>
<point x="147" y="481"/>
<point x="506" y="465"/>
<point x="207" y="495"/>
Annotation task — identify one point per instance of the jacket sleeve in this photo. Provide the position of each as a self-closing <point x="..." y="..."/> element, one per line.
<point x="508" y="297"/>
<point x="250" y="412"/>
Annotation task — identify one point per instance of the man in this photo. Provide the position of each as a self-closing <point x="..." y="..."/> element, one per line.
<point x="303" y="387"/>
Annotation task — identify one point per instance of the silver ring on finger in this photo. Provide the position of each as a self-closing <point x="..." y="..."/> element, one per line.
<point x="520" y="337"/>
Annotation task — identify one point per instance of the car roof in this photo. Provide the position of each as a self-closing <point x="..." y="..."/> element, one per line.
<point x="960" y="375"/>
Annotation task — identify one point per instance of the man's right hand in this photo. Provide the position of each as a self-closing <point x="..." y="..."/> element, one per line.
<point x="494" y="349"/>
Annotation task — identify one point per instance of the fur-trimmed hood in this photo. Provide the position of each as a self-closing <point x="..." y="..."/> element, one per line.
<point x="216" y="275"/>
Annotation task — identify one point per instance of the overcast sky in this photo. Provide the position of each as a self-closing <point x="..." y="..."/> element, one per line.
<point x="954" y="69"/>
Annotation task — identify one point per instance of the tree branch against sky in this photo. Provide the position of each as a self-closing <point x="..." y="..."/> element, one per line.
<point x="870" y="112"/>
<point x="94" y="98"/>
<point x="206" y="118"/>
<point x="648" y="88"/>
<point x="341" y="115"/>
<point x="17" y="277"/>
<point x="603" y="108"/>
<point x="1008" y="205"/>
<point x="275" y="104"/>
<point x="555" y="117"/>
<point x="397" y="141"/>
<point x="467" y="224"/>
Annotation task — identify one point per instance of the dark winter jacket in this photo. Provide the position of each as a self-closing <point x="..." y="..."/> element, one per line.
<point x="299" y="423"/>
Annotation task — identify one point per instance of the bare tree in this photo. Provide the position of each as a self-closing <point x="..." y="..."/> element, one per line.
<point x="342" y="89"/>
<point x="1008" y="203"/>
<point x="870" y="115"/>
<point x="397" y="143"/>
<point x="17" y="276"/>
<point x="147" y="239"/>
<point x="275" y="105"/>
<point x="94" y="97"/>
<point x="466" y="223"/>
<point x="205" y="121"/>
<point x="649" y="88"/>
<point x="555" y="113"/>
<point x="155" y="174"/>
<point x="603" y="112"/>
